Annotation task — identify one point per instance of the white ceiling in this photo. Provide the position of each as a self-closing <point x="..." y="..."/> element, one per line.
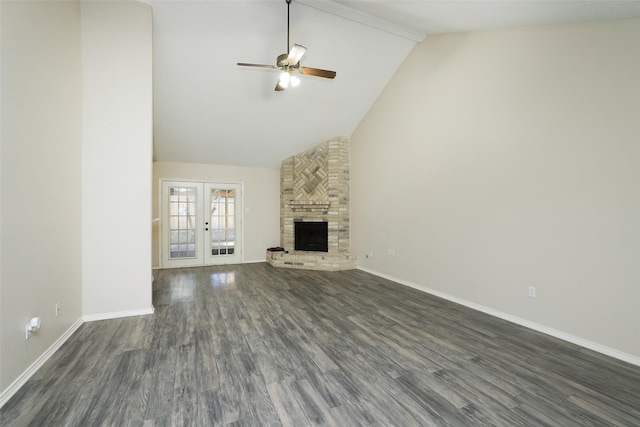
<point x="209" y="110"/>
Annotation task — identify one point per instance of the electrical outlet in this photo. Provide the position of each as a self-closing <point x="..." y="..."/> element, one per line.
<point x="392" y="252"/>
<point x="532" y="292"/>
<point x="57" y="309"/>
<point x="370" y="254"/>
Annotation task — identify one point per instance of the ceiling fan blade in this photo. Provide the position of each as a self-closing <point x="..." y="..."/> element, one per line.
<point x="280" y="86"/>
<point x="244" y="64"/>
<point x="327" y="74"/>
<point x="295" y="54"/>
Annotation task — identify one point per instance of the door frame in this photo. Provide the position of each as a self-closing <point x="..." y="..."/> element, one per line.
<point x="163" y="237"/>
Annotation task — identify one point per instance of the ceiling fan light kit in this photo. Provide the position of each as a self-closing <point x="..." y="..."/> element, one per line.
<point x="289" y="63"/>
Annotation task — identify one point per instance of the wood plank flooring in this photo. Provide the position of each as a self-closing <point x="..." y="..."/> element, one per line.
<point x="251" y="345"/>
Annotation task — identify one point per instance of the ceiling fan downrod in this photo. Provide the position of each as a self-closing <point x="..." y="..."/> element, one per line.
<point x="288" y="6"/>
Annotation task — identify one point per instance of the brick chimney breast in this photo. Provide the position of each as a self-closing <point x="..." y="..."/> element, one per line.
<point x="314" y="187"/>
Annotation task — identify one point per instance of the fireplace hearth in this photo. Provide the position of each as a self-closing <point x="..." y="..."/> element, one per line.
<point x="311" y="236"/>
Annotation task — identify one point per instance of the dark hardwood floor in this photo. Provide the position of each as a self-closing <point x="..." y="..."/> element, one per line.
<point x="257" y="346"/>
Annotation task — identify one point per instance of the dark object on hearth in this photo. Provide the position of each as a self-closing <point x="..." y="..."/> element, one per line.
<point x="276" y="249"/>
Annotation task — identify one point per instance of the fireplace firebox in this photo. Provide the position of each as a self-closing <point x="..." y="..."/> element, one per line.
<point x="311" y="236"/>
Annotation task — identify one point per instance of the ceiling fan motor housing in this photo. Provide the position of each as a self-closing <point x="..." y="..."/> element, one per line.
<point x="282" y="61"/>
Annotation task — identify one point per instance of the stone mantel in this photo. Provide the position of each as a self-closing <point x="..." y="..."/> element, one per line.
<point x="310" y="205"/>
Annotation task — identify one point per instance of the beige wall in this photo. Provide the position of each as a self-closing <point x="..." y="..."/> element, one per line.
<point x="499" y="160"/>
<point x="261" y="226"/>
<point x="40" y="198"/>
<point x="117" y="157"/>
<point x="75" y="172"/>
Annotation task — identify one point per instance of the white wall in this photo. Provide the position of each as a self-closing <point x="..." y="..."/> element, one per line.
<point x="499" y="160"/>
<point x="40" y="173"/>
<point x="261" y="226"/>
<point x="117" y="157"/>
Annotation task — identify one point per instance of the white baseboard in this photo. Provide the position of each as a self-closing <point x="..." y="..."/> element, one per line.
<point x="629" y="358"/>
<point x="28" y="373"/>
<point x="117" y="314"/>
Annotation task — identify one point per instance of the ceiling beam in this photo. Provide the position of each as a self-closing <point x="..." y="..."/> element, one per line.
<point x="350" y="14"/>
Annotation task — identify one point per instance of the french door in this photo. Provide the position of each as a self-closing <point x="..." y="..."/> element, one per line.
<point x="201" y="223"/>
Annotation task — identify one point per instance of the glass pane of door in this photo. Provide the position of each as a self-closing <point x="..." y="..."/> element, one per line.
<point x="223" y="223"/>
<point x="182" y="222"/>
<point x="181" y="225"/>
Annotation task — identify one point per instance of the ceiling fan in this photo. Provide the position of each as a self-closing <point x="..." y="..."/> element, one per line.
<point x="288" y="63"/>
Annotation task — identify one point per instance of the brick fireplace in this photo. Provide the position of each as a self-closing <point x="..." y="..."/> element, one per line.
<point x="314" y="187"/>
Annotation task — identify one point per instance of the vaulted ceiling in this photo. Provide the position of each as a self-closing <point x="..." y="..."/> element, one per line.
<point x="209" y="110"/>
